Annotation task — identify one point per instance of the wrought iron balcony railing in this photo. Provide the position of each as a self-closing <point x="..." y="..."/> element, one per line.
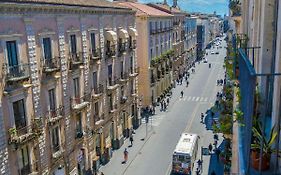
<point x="55" y="114"/>
<point x="79" y="103"/>
<point x="133" y="44"/>
<point x="112" y="83"/>
<point x="95" y="54"/>
<point x="134" y="71"/>
<point x="122" y="47"/>
<point x="17" y="72"/>
<point x="111" y="51"/>
<point x="23" y="133"/>
<point x="75" y="58"/>
<point x="124" y="77"/>
<point x="51" y="64"/>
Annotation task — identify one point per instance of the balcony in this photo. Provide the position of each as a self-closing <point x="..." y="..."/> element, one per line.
<point x="51" y="64"/>
<point x="16" y="73"/>
<point x="133" y="44"/>
<point x="95" y="55"/>
<point x="153" y="31"/>
<point x="55" y="115"/>
<point x="134" y="72"/>
<point x="113" y="108"/>
<point x="58" y="151"/>
<point x="75" y="59"/>
<point x="122" y="48"/>
<point x="124" y="77"/>
<point x="112" y="84"/>
<point x="78" y="103"/>
<point x="152" y="81"/>
<point x="110" y="51"/>
<point x="98" y="120"/>
<point x="97" y="91"/>
<point x="25" y="133"/>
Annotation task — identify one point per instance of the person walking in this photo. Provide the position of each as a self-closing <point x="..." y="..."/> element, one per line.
<point x="202" y="117"/>
<point x="197" y="171"/>
<point x="199" y="162"/>
<point x="125" y="155"/>
<point x="187" y="83"/>
<point x="161" y="104"/>
<point x="181" y="94"/>
<point x="168" y="101"/>
<point x="131" y="140"/>
<point x="210" y="148"/>
<point x="218" y="152"/>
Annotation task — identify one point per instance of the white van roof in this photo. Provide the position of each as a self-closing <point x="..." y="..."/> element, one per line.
<point x="186" y="143"/>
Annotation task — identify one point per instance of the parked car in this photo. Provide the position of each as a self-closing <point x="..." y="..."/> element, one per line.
<point x="217" y="52"/>
<point x="205" y="60"/>
<point x="212" y="52"/>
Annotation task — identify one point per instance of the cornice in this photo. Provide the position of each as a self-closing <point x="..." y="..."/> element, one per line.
<point x="8" y="8"/>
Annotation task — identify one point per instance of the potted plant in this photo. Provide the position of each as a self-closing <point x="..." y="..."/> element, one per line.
<point x="266" y="150"/>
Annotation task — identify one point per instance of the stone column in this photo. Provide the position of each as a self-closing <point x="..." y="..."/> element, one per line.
<point x="31" y="50"/>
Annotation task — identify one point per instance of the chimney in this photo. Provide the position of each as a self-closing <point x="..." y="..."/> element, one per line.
<point x="175" y="3"/>
<point x="165" y="2"/>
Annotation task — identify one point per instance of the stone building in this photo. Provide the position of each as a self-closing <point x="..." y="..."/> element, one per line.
<point x="68" y="84"/>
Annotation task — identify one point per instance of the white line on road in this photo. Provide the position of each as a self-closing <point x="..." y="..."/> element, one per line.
<point x="193" y="98"/>
<point x="189" y="98"/>
<point x="197" y="98"/>
<point x="206" y="99"/>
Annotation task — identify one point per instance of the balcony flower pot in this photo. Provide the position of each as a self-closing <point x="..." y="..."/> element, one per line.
<point x="260" y="139"/>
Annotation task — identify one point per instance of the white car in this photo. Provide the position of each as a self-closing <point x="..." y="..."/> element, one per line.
<point x="212" y="52"/>
<point x="205" y="60"/>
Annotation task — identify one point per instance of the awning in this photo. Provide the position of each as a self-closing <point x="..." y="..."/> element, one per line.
<point x="123" y="34"/>
<point x="111" y="36"/>
<point x="133" y="32"/>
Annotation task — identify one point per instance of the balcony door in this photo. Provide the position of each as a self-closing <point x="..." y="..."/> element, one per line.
<point x="76" y="88"/>
<point x="122" y="69"/>
<point x="93" y="42"/>
<point x="47" y="48"/>
<point x="19" y="114"/>
<point x="52" y="100"/>
<point x="95" y="82"/>
<point x="55" y="139"/>
<point x="79" y="130"/>
<point x="109" y="69"/>
<point x="23" y="160"/>
<point x="73" y="47"/>
<point x="12" y="56"/>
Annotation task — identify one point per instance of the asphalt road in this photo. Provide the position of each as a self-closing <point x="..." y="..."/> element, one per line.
<point x="154" y="155"/>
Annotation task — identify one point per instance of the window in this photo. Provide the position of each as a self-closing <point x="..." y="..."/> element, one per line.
<point x="95" y="81"/>
<point x="107" y="46"/>
<point x="79" y="125"/>
<point x="73" y="47"/>
<point x="121" y="69"/>
<point x="55" y="139"/>
<point x="156" y="27"/>
<point x="96" y="111"/>
<point x="151" y="53"/>
<point x="23" y="160"/>
<point x="132" y="86"/>
<point x="47" y="50"/>
<point x="19" y="114"/>
<point x="109" y="70"/>
<point x="76" y="87"/>
<point x="132" y="64"/>
<point x="93" y="42"/>
<point x="12" y="53"/>
<point x="110" y="101"/>
<point x="150" y="27"/>
<point x="52" y="99"/>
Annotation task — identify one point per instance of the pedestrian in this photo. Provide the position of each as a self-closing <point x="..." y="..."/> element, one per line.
<point x="165" y="106"/>
<point x="210" y="148"/>
<point x="218" y="152"/>
<point x="181" y="81"/>
<point x="215" y="144"/>
<point x="213" y="173"/>
<point x="181" y="94"/>
<point x="199" y="162"/>
<point x="153" y="110"/>
<point x="185" y="78"/>
<point x="125" y="155"/>
<point x="218" y="82"/>
<point x="197" y="171"/>
<point x="187" y="83"/>
<point x="131" y="140"/>
<point x="161" y="104"/>
<point x="216" y="137"/>
<point x="168" y="101"/>
<point x="202" y="117"/>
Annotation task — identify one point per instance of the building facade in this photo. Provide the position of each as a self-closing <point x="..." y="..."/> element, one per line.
<point x="154" y="51"/>
<point x="68" y="86"/>
<point x="190" y="39"/>
<point x="258" y="24"/>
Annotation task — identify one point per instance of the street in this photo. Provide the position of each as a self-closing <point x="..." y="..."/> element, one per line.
<point x="153" y="156"/>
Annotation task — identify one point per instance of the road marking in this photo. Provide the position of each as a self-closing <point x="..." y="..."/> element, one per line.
<point x="193" y="98"/>
<point x="184" y="98"/>
<point x="193" y="117"/>
<point x="168" y="172"/>
<point x="206" y="99"/>
<point x="197" y="98"/>
<point x="189" y="98"/>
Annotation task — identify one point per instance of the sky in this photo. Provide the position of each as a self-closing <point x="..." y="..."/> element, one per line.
<point x="205" y="6"/>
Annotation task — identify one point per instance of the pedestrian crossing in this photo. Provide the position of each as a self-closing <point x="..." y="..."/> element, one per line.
<point x="154" y="120"/>
<point x="198" y="99"/>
